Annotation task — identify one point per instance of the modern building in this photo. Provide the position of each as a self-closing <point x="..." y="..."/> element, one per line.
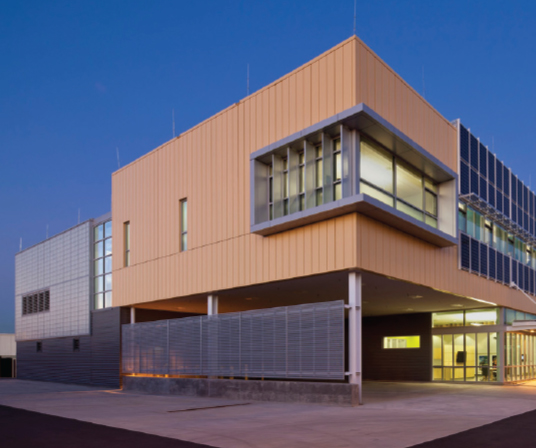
<point x="8" y="352"/>
<point x="329" y="228"/>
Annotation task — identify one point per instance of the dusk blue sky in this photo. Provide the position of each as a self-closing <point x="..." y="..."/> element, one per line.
<point x="80" y="79"/>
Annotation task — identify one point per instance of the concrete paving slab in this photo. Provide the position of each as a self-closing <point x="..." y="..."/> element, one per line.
<point x="394" y="415"/>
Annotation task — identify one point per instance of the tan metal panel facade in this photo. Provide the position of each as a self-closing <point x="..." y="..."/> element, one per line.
<point x="209" y="165"/>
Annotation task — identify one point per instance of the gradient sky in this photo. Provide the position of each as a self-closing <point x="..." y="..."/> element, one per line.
<point x="79" y="79"/>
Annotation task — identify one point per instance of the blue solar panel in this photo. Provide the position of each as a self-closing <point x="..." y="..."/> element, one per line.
<point x="465" y="257"/>
<point x="500" y="267"/>
<point x="483" y="189"/>
<point x="514" y="272"/>
<point x="464" y="144"/>
<point x="531" y="279"/>
<point x="506" y="270"/>
<point x="506" y="207"/>
<point x="519" y="192"/>
<point x="514" y="189"/>
<point x="506" y="181"/>
<point x="491" y="167"/>
<point x="526" y="278"/>
<point x="464" y="178"/>
<point x="483" y="259"/>
<point x="474" y="182"/>
<point x="474" y="152"/>
<point x="499" y="177"/>
<point x="492" y="263"/>
<point x="475" y="256"/>
<point x="491" y="196"/>
<point x="499" y="201"/>
<point x="483" y="160"/>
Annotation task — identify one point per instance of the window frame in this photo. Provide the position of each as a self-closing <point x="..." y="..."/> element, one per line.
<point x="126" y="244"/>
<point x="183" y="219"/>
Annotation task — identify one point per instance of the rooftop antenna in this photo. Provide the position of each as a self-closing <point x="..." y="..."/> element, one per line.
<point x="355" y="17"/>
<point x="173" y="119"/>
<point x="78" y="216"/>
<point x="118" y="164"/>
<point x="423" y="84"/>
<point x="20" y="244"/>
<point x="247" y="81"/>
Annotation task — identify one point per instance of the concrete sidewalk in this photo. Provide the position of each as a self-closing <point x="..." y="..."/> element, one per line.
<point x="394" y="414"/>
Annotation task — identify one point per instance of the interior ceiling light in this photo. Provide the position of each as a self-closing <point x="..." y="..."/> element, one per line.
<point x="410" y="309"/>
<point x="415" y="297"/>
<point x="476" y="324"/>
<point x="457" y="305"/>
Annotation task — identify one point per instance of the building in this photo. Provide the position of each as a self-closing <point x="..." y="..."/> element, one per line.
<point x="8" y="351"/>
<point x="332" y="226"/>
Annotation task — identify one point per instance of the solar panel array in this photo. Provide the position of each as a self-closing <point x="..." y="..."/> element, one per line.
<point x="481" y="173"/>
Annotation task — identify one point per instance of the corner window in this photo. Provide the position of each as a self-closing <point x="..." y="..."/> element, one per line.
<point x="402" y="342"/>
<point x="184" y="224"/>
<point x="397" y="184"/>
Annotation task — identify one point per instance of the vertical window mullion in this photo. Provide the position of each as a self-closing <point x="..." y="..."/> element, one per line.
<point x="183" y="225"/>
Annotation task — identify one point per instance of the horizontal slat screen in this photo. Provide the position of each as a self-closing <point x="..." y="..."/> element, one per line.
<point x="303" y="341"/>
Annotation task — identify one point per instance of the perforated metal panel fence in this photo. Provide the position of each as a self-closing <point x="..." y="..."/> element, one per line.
<point x="303" y="341"/>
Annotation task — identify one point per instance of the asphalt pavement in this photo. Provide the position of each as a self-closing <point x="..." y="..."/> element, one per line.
<point x="26" y="429"/>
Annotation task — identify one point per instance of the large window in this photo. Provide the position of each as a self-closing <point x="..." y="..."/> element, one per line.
<point x="402" y="342"/>
<point x="285" y="186"/>
<point x="461" y="318"/>
<point x="397" y="184"/>
<point x="301" y="182"/>
<point x="184" y="224"/>
<point x="319" y="179"/>
<point x="103" y="265"/>
<point x="337" y="169"/>
<point x="465" y="357"/>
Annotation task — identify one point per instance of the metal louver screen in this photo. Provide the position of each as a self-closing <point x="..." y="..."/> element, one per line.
<point x="303" y="341"/>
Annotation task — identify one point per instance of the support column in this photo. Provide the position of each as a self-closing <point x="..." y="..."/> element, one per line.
<point x="132" y="315"/>
<point x="212" y="310"/>
<point x="212" y="305"/>
<point x="501" y="355"/>
<point x="354" y="331"/>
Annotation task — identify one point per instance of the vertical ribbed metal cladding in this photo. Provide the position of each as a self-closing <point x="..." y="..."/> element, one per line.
<point x="106" y="347"/>
<point x="303" y="341"/>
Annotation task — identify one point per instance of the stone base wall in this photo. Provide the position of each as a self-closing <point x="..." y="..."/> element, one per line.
<point x="282" y="391"/>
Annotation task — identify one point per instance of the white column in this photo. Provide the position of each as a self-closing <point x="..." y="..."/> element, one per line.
<point x="212" y="305"/>
<point x="212" y="310"/>
<point x="354" y="331"/>
<point x="132" y="315"/>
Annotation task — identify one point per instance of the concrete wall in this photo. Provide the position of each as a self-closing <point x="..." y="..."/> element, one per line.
<point x="7" y="345"/>
<point x="61" y="264"/>
<point x="397" y="364"/>
<point x="282" y="391"/>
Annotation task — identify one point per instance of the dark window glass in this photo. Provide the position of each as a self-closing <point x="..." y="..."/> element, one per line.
<point x="464" y="144"/>
<point x="474" y="152"/>
<point x="491" y="167"/>
<point x="464" y="178"/>
<point x="483" y="160"/>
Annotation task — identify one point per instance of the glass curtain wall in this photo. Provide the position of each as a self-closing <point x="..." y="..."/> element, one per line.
<point x="520" y="356"/>
<point x="465" y="357"/>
